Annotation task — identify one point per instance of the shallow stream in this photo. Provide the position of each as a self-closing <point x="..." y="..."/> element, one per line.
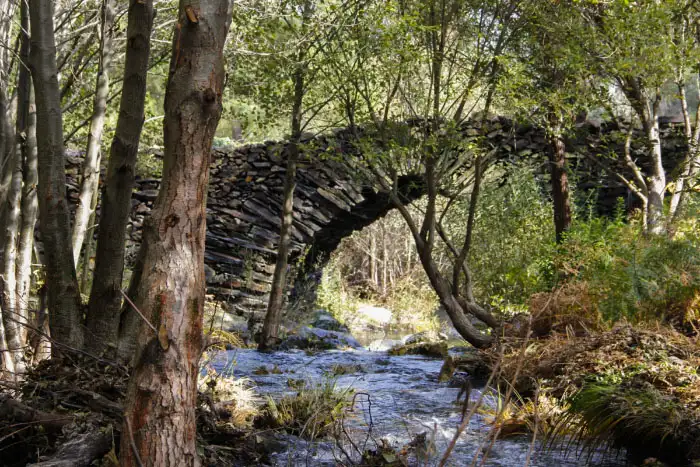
<point x="406" y="400"/>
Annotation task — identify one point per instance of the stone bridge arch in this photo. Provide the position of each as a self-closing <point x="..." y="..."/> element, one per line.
<point x="331" y="201"/>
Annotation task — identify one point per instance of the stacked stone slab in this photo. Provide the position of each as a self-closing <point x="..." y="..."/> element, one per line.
<point x="332" y="199"/>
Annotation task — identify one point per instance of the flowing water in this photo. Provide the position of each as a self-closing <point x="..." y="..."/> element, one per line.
<point x="399" y="398"/>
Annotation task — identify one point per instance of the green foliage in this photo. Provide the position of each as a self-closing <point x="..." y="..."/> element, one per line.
<point x="310" y="413"/>
<point x="630" y="275"/>
<point x="513" y="243"/>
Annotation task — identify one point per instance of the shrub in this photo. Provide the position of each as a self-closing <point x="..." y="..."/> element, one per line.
<point x="630" y="275"/>
<point x="310" y="413"/>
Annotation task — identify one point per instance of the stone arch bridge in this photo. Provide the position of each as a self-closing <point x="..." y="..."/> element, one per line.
<point x="245" y="197"/>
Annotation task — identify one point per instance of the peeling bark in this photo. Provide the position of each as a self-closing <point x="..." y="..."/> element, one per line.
<point x="161" y="399"/>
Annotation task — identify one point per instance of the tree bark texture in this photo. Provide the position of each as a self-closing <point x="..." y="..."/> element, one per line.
<point x="105" y="297"/>
<point x="14" y="320"/>
<point x="161" y="399"/>
<point x="91" y="165"/>
<point x="30" y="209"/>
<point x="560" y="182"/>
<point x="7" y="10"/>
<point x="63" y="295"/>
<point x="647" y="109"/>
<point x="274" y="307"/>
<point x="27" y="131"/>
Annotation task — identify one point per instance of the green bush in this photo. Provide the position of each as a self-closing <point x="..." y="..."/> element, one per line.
<point x="310" y="413"/>
<point x="631" y="275"/>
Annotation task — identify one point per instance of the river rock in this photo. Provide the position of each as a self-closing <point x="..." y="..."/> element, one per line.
<point x="425" y="336"/>
<point x="319" y="339"/>
<point x="428" y="349"/>
<point x="324" y="320"/>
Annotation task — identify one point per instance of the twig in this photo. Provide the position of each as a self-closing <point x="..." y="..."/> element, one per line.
<point x="138" y="311"/>
<point x="137" y="458"/>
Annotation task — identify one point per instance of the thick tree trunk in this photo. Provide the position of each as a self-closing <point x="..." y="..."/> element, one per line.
<point x="560" y="181"/>
<point x="91" y="165"/>
<point x="105" y="297"/>
<point x="65" y="314"/>
<point x="279" y="278"/>
<point x="160" y="405"/>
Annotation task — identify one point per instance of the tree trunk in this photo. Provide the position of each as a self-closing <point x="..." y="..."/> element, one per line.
<point x="7" y="9"/>
<point x="91" y="165"/>
<point x="85" y="275"/>
<point x="159" y="426"/>
<point x="560" y="180"/>
<point x="648" y="112"/>
<point x="63" y="295"/>
<point x="6" y="360"/>
<point x="13" y="320"/>
<point x="279" y="278"/>
<point x="105" y="297"/>
<point x="656" y="183"/>
<point x="29" y="212"/>
<point x="29" y="173"/>
<point x="692" y="159"/>
<point x="443" y="289"/>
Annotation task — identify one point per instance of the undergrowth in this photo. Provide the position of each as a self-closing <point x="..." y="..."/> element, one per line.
<point x="310" y="413"/>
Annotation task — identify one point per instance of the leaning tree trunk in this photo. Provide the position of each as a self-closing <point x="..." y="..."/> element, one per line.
<point x="279" y="278"/>
<point x="91" y="165"/>
<point x="105" y="297"/>
<point x="560" y="180"/>
<point x="63" y="295"/>
<point x="160" y="423"/>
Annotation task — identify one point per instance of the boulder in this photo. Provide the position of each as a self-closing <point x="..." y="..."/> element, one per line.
<point x="324" y="320"/>
<point x="425" y="336"/>
<point x="318" y="339"/>
<point x="428" y="349"/>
